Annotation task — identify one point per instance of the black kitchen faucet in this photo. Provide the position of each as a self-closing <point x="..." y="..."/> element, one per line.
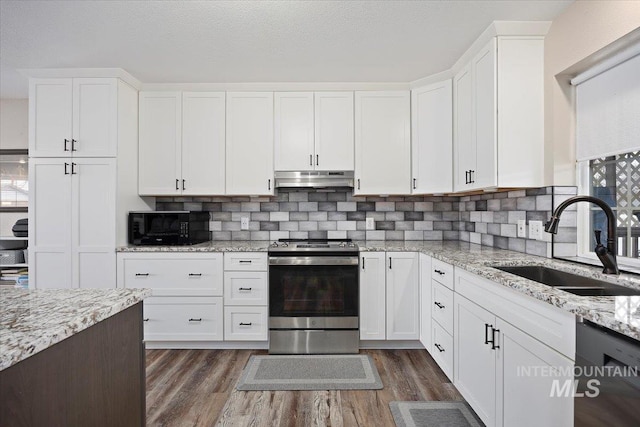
<point x="606" y="254"/>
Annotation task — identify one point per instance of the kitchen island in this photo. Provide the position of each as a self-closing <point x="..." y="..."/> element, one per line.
<point x="72" y="357"/>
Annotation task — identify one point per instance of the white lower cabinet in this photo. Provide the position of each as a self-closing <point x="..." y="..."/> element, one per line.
<point x="510" y="351"/>
<point x="187" y="302"/>
<point x="183" y="319"/>
<point x="245" y="323"/>
<point x="442" y="349"/>
<point x="425" y="301"/>
<point x="245" y="296"/>
<point x="373" y="295"/>
<point x="389" y="296"/>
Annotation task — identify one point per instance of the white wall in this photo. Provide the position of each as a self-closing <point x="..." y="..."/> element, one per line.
<point x="584" y="28"/>
<point x="14" y="124"/>
<point x="14" y="134"/>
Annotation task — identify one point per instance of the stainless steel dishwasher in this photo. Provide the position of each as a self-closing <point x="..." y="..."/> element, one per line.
<point x="608" y="378"/>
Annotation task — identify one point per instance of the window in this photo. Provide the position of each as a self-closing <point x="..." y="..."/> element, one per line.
<point x="14" y="180"/>
<point x="608" y="153"/>
<point x="616" y="180"/>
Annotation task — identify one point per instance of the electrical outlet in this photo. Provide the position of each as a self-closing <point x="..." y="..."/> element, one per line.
<point x="244" y="223"/>
<point x="535" y="230"/>
<point x="522" y="228"/>
<point x="370" y="224"/>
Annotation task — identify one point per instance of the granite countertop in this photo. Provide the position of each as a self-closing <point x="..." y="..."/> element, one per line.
<point x="620" y="313"/>
<point x="211" y="246"/>
<point x="34" y="320"/>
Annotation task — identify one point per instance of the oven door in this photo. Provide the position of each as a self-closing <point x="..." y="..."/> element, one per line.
<point x="313" y="287"/>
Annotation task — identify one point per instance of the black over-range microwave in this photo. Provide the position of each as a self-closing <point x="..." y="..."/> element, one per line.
<point x="168" y="227"/>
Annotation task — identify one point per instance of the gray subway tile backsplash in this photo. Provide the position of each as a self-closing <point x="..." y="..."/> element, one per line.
<point x="488" y="219"/>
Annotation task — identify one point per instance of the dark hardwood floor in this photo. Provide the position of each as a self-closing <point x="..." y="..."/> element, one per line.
<point x="197" y="388"/>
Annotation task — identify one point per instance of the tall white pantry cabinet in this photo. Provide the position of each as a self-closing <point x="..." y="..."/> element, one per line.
<point x="82" y="172"/>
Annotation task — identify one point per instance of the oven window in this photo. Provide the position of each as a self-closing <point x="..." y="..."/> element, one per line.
<point x="313" y="291"/>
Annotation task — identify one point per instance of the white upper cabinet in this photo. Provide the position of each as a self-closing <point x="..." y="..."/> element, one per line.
<point x="313" y="131"/>
<point x="432" y="139"/>
<point x="382" y="142"/>
<point x="334" y="131"/>
<point x="182" y="143"/>
<point x="293" y="125"/>
<point x="249" y="146"/>
<point x="203" y="143"/>
<point x="160" y="143"/>
<point x="499" y="116"/>
<point x="73" y="117"/>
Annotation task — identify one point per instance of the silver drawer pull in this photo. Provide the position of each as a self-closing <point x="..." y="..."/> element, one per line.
<point x="244" y="289"/>
<point x="440" y="272"/>
<point x="438" y="304"/>
<point x="145" y="320"/>
<point x="195" y="274"/>
<point x="199" y="319"/>
<point x="245" y="261"/>
<point x="142" y="274"/>
<point x="245" y="324"/>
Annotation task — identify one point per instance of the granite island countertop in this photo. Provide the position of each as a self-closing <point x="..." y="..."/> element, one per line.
<point x="619" y="313"/>
<point x="34" y="320"/>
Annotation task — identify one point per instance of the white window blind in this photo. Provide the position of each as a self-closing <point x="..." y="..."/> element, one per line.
<point x="608" y="112"/>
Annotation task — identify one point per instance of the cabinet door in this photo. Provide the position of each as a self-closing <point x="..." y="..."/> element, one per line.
<point x="93" y="231"/>
<point x="432" y="139"/>
<point x="249" y="149"/>
<point x="334" y="131"/>
<point x="382" y="142"/>
<point x="293" y="127"/>
<point x="50" y="223"/>
<point x="485" y="172"/>
<point x="50" y="117"/>
<point x="372" y="296"/>
<point x="464" y="142"/>
<point x="159" y="153"/>
<point x="403" y="302"/>
<point x="425" y="301"/>
<point x="475" y="361"/>
<point x="525" y="393"/>
<point x="95" y="117"/>
<point x="203" y="143"/>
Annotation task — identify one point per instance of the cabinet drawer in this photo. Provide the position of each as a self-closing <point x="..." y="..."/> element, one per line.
<point x="245" y="288"/>
<point x="183" y="319"/>
<point x="442" y="307"/>
<point x="245" y="323"/>
<point x="442" y="349"/>
<point x="442" y="273"/>
<point x="245" y="261"/>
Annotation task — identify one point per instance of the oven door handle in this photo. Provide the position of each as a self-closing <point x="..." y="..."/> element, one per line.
<point x="307" y="260"/>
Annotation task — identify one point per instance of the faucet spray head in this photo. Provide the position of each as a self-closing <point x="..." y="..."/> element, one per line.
<point x="552" y="225"/>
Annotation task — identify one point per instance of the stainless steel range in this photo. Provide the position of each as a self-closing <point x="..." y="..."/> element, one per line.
<point x="313" y="297"/>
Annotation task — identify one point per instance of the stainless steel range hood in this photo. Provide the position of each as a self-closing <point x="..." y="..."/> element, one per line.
<point x="314" y="179"/>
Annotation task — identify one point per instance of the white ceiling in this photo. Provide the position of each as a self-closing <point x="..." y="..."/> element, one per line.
<point x="249" y="41"/>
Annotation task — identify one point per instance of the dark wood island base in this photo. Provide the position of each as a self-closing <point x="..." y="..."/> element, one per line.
<point x="93" y="378"/>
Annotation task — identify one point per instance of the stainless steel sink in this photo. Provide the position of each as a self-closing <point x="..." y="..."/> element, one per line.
<point x="568" y="282"/>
